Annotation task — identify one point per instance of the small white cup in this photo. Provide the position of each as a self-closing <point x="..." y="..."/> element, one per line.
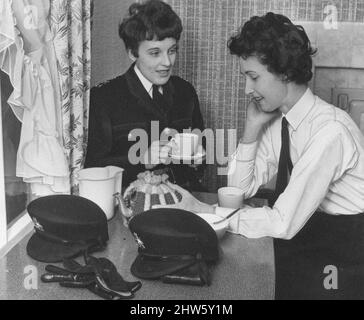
<point x="230" y="197"/>
<point x="186" y="144"/>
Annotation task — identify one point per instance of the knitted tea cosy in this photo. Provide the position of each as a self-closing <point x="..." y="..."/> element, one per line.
<point x="148" y="190"/>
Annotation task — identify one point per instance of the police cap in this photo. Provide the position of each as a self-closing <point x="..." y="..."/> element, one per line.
<point x="170" y="240"/>
<point x="65" y="225"/>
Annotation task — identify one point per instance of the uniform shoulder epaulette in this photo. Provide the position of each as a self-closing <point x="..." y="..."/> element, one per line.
<point x="101" y="84"/>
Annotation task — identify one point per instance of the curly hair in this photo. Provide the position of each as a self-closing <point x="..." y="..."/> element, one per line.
<point x="151" y="20"/>
<point x="279" y="44"/>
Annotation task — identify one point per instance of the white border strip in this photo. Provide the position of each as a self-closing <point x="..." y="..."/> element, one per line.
<point x="12" y="234"/>
<point x="16" y="232"/>
<point x="3" y="222"/>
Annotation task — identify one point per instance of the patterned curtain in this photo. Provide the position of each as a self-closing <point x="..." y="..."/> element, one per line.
<point x="70" y="23"/>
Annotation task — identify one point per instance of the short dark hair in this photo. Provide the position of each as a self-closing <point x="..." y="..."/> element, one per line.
<point x="151" y="20"/>
<point x="279" y="44"/>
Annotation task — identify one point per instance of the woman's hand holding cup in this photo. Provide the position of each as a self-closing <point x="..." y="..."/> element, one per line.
<point x="185" y="144"/>
<point x="157" y="153"/>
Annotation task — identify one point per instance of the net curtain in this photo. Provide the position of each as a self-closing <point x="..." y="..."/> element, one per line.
<point x="44" y="48"/>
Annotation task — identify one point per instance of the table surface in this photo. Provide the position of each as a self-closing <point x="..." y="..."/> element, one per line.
<point x="245" y="271"/>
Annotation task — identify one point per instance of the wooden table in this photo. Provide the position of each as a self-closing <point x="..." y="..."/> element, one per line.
<point x="245" y="270"/>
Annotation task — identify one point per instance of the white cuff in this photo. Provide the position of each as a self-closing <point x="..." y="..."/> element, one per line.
<point x="246" y="151"/>
<point x="233" y="222"/>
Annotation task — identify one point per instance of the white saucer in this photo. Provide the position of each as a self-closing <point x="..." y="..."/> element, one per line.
<point x="195" y="157"/>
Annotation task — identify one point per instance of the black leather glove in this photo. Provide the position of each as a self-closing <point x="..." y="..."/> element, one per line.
<point x="112" y="278"/>
<point x="67" y="277"/>
<point x="101" y="285"/>
<point x="99" y="275"/>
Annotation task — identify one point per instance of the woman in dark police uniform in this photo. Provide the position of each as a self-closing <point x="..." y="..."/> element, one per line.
<point x="146" y="95"/>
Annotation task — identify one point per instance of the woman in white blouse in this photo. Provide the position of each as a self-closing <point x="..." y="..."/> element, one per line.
<point x="317" y="220"/>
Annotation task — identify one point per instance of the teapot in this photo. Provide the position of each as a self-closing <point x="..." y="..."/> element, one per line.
<point x="149" y="189"/>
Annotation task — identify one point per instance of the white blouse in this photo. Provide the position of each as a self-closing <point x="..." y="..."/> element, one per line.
<point x="327" y="152"/>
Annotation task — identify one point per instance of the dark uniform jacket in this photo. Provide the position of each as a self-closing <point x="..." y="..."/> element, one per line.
<point x="123" y="104"/>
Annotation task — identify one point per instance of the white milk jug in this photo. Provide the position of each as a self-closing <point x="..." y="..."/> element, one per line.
<point x="99" y="185"/>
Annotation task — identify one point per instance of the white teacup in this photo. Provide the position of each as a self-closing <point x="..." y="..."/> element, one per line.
<point x="230" y="197"/>
<point x="185" y="144"/>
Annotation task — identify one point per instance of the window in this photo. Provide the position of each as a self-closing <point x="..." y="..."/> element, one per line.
<point x="14" y="193"/>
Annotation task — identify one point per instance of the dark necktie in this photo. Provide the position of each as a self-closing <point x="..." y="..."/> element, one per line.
<point x="159" y="99"/>
<point x="285" y="163"/>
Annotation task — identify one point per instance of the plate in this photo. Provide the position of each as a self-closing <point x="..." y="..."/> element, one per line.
<point x="195" y="157"/>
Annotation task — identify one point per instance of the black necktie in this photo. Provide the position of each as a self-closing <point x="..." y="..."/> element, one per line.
<point x="285" y="163"/>
<point x="159" y="99"/>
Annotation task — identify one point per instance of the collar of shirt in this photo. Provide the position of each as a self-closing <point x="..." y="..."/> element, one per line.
<point x="145" y="82"/>
<point x="300" y="110"/>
